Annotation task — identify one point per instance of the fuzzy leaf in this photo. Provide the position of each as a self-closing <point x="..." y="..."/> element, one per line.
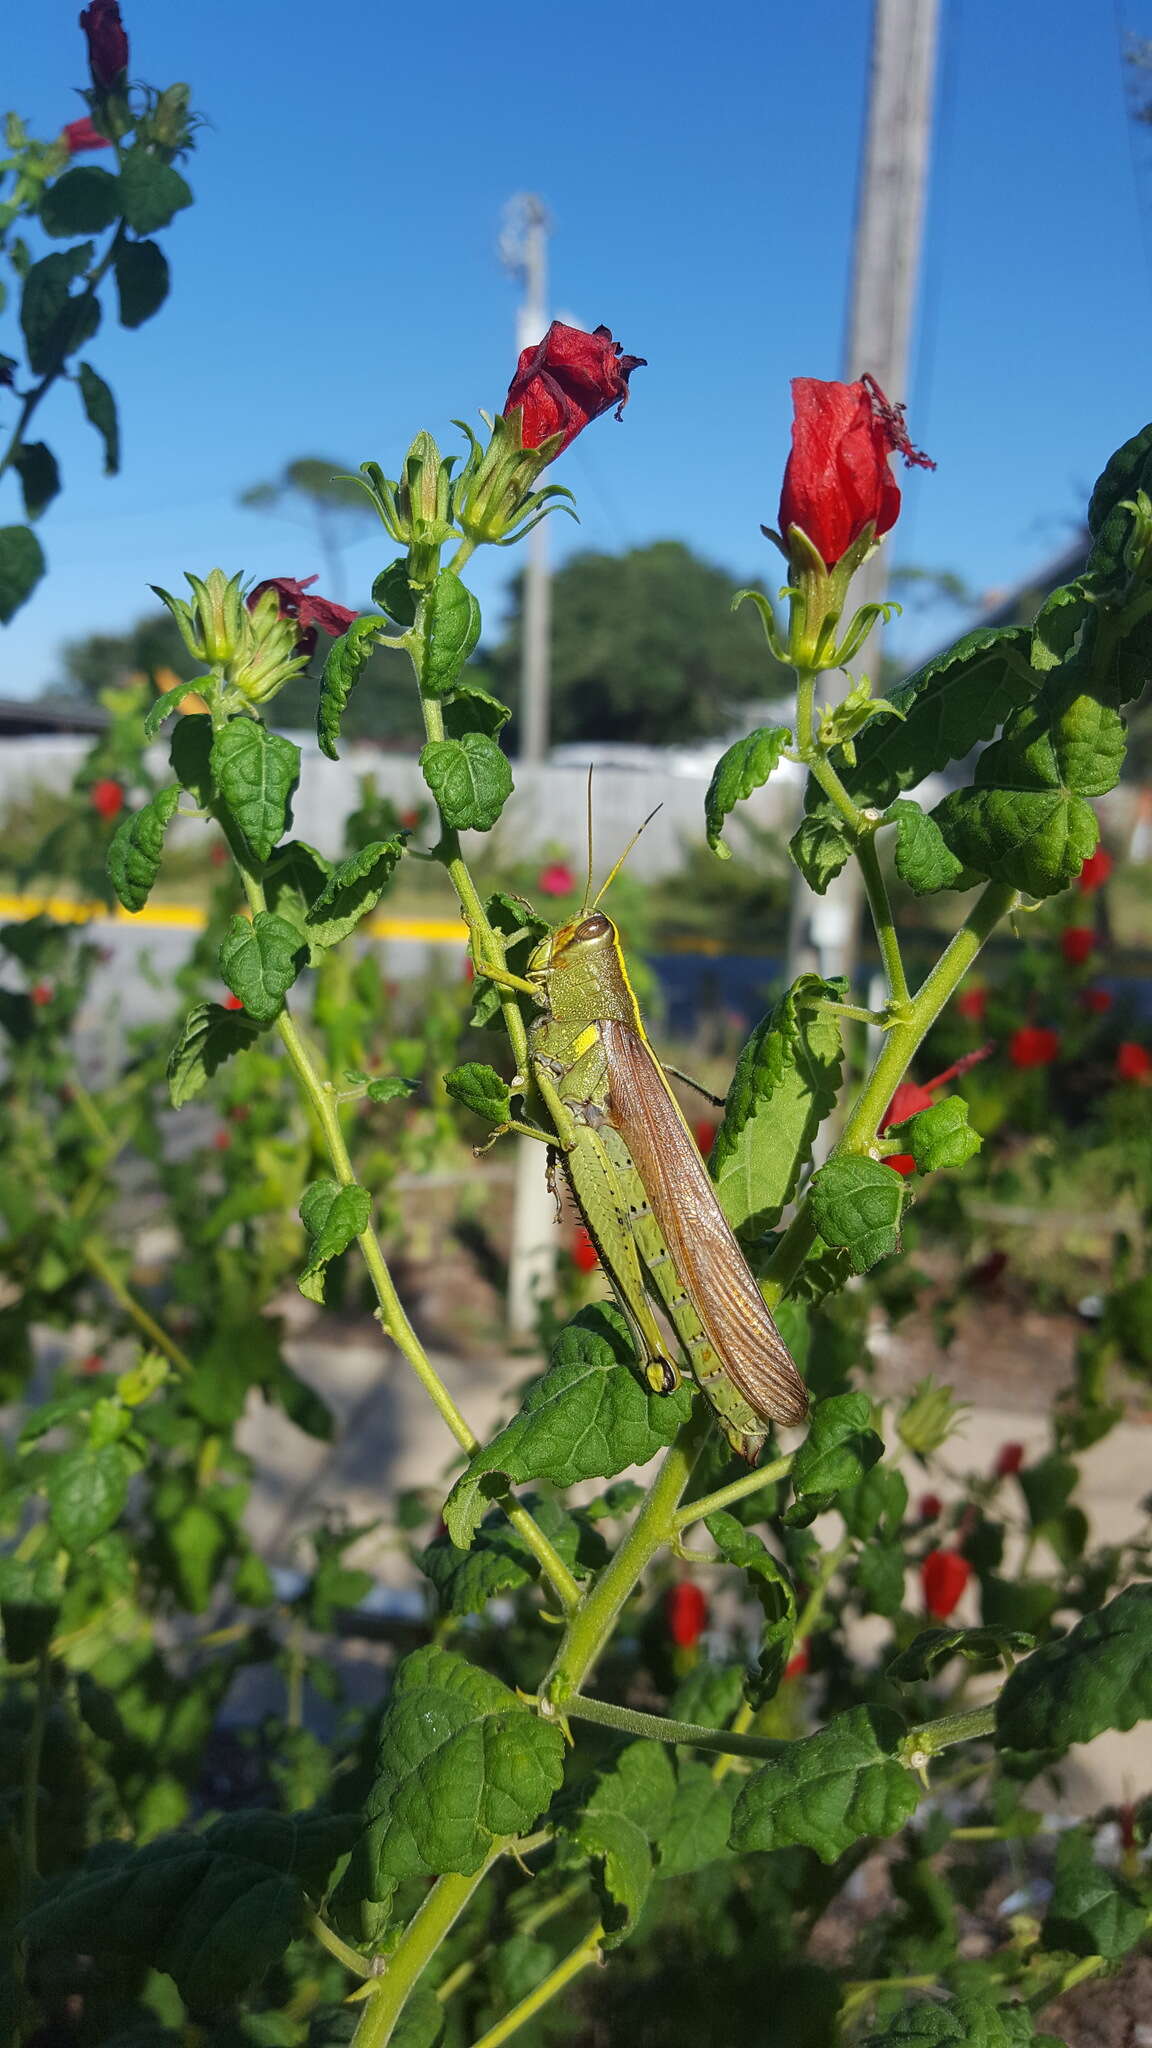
<point x="255" y="771"/>
<point x="957" y="699"/>
<point x="22" y="565"/>
<point x="838" y="1450"/>
<point x="785" y="1084"/>
<point x="589" y="1417"/>
<point x="451" y="631"/>
<point x="857" y="1204"/>
<point x="500" y="1560"/>
<point x="136" y="848"/>
<point x="85" y="201"/>
<point x="166" y="704"/>
<point x="87" y="1490"/>
<point x="1091" y="1912"/>
<point x="100" y="409"/>
<point x="352" y="890"/>
<point x="619" y="1828"/>
<point x="940" y="1135"/>
<point x="1098" y="1676"/>
<point x="701" y="1821"/>
<point x="829" y="1789"/>
<point x="151" y="191"/>
<point x="481" y="1090"/>
<point x="970" y="2022"/>
<point x="745" y="767"/>
<point x="210" y="1036"/>
<point x="39" y="474"/>
<point x="471" y="709"/>
<point x="923" y="861"/>
<point x="334" y="1217"/>
<point x="55" y="320"/>
<point x="259" y="961"/>
<point x="769" y="1583"/>
<point x="820" y="848"/>
<point x="345" y="664"/>
<point x="470" y="779"/>
<point x="142" y="281"/>
<point x="933" y="1647"/>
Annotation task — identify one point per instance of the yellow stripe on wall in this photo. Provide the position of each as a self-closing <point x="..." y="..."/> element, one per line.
<point x="436" y="931"/>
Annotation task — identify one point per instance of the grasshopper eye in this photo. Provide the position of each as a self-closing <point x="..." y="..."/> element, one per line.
<point x="595" y="927"/>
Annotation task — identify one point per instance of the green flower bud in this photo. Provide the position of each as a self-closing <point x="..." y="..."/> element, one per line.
<point x="269" y="657"/>
<point x="214" y="626"/>
<point x="929" y="1417"/>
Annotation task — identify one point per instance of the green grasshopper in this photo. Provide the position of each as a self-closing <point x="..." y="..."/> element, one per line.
<point x="643" y="1190"/>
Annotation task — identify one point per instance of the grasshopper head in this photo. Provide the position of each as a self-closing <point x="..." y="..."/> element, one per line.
<point x="589" y="938"/>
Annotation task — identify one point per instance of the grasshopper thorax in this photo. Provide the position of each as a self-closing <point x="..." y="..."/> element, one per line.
<point x="582" y="970"/>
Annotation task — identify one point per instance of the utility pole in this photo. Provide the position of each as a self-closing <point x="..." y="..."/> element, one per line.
<point x="524" y="252"/>
<point x="881" y="309"/>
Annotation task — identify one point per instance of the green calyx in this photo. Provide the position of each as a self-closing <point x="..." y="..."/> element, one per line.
<point x="254" y="651"/>
<point x="494" y="496"/>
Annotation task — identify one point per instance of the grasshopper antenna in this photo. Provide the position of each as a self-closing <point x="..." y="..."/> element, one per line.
<point x="588" y="875"/>
<point x="606" y="884"/>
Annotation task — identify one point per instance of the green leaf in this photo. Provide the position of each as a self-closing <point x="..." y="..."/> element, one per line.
<point x="940" y="1135"/>
<point x="141" y="281"/>
<point x="825" y="1792"/>
<point x="136" y="848"/>
<point x="1091" y="1912"/>
<point x="1097" y="1677"/>
<point x="820" y="848"/>
<point x="857" y="1204"/>
<point x="589" y="1417"/>
<point x="745" y="767"/>
<point x="389" y="1088"/>
<point x="451" y="631"/>
<point x="100" y="408"/>
<point x="54" y="321"/>
<point x="31" y="1590"/>
<point x="151" y="191"/>
<point x="769" y="1583"/>
<point x="1037" y="840"/>
<point x="836" y="1453"/>
<point x="190" y="753"/>
<point x="22" y="565"/>
<point x="925" y="1654"/>
<point x="1126" y="472"/>
<point x="701" y="1821"/>
<point x="1127" y="1322"/>
<point x="39" y="474"/>
<point x="394" y="594"/>
<point x="255" y="771"/>
<point x="470" y="779"/>
<point x="471" y="709"/>
<point x="481" y="1090"/>
<point x="210" y="1036"/>
<point x="334" y="1217"/>
<point x="85" y="201"/>
<point x="972" y="2022"/>
<point x="352" y="890"/>
<point x="166" y="704"/>
<point x="347" y="659"/>
<point x="87" y="1490"/>
<point x="878" y="1501"/>
<point x="500" y="1560"/>
<point x="623" y="1820"/>
<point x="1047" y="1486"/>
<point x="956" y="700"/>
<point x="461" y="1764"/>
<point x="880" y="1569"/>
<point x="785" y="1084"/>
<point x="923" y="861"/>
<point x="259" y="961"/>
<point x="213" y="1911"/>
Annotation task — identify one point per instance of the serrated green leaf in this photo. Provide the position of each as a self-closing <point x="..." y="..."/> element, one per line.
<point x="1091" y="1911"/>
<point x="166" y="704"/>
<point x="390" y="1088"/>
<point x="769" y="1583"/>
<point x="820" y="848"/>
<point x="54" y="321"/>
<point x="85" y="201"/>
<point x="785" y="1084"/>
<point x="259" y="961"/>
<point x="838" y="1450"/>
<point x="940" y="1135"/>
<point x="933" y="1647"/>
<point x="470" y="779"/>
<point x="857" y="1204"/>
<point x="213" y="1910"/>
<point x="1065" y="739"/>
<point x="972" y="2022"/>
<point x="481" y="1090"/>
<point x="1097" y="1677"/>
<point x="190" y="753"/>
<point x="39" y="474"/>
<point x="352" y="890"/>
<point x="22" y="565"/>
<point x="923" y="861"/>
<point x="151" y="191"/>
<point x="746" y="766"/>
<point x="1036" y="840"/>
<point x="461" y="1764"/>
<point x="136" y="848"/>
<point x="880" y="1569"/>
<point x="500" y="1559"/>
<point x="825" y="1792"/>
<point x="210" y="1036"/>
<point x="345" y="664"/>
<point x="1057" y="626"/>
<point x="31" y="1592"/>
<point x="589" y="1417"/>
<point x="141" y="281"/>
<point x="878" y="1501"/>
<point x="451" y="631"/>
<point x="256" y="772"/>
<point x="87" y="1490"/>
<point x="1126" y="472"/>
<point x="471" y="709"/>
<point x="1047" y="1486"/>
<point x="100" y="408"/>
<point x="701" y="1820"/>
<point x="956" y="700"/>
<point x="620" y="1827"/>
<point x="334" y="1217"/>
<point x="394" y="594"/>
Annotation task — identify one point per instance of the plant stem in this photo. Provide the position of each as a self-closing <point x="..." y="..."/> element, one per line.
<point x="809" y="1615"/>
<point x="748" y="1482"/>
<point x="531" y="1922"/>
<point x="659" y="1728"/>
<point x="329" y="1939"/>
<point x="417" y="1945"/>
<point x="929" y="1737"/>
<point x="97" y="1261"/>
<point x="585" y="1952"/>
<point x="30" y="1776"/>
<point x="880" y="904"/>
<point x="39" y="391"/>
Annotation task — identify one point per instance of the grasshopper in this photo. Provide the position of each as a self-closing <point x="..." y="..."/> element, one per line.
<point x="642" y="1188"/>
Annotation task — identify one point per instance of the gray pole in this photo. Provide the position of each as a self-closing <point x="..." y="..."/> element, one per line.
<point x="524" y="249"/>
<point x="881" y="308"/>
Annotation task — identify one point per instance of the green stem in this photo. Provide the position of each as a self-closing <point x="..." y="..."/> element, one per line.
<point x="30" y="1777"/>
<point x="329" y="1939"/>
<point x="97" y="1262"/>
<point x="806" y="1622"/>
<point x="40" y="391"/>
<point x="417" y="1945"/>
<point x="880" y="904"/>
<point x="585" y="1952"/>
<point x="658" y="1728"/>
<point x="930" y="1737"/>
<point x="529" y="1924"/>
<point x="1088" y="1966"/>
<point x="749" y="1482"/>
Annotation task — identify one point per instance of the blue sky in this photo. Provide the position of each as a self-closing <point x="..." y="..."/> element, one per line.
<point x="336" y="286"/>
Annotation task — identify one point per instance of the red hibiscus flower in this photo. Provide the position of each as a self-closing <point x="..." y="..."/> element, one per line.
<point x="902" y="1163"/>
<point x="913" y="1096"/>
<point x="107" y="43"/>
<point x="931" y="1507"/>
<point x="1034" y="1045"/>
<point x="41" y="994"/>
<point x="686" y="1613"/>
<point x="556" y="879"/>
<point x="566" y="380"/>
<point x="1097" y="1000"/>
<point x="972" y="1003"/>
<point x="78" y="136"/>
<point x="1009" y="1459"/>
<point x="1095" y="871"/>
<point x="585" y="1256"/>
<point x="837" y="480"/>
<point x="1133" y="1062"/>
<point x="232" y="1002"/>
<point x="1076" y="943"/>
<point x="797" y="1665"/>
<point x="704" y="1133"/>
<point x="296" y="602"/>
<point x="107" y="797"/>
<point x="943" y="1577"/>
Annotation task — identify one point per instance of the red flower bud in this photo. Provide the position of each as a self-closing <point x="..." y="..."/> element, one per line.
<point x="222" y="1141"/>
<point x="78" y="136"/>
<point x="566" y="380"/>
<point x="902" y="1163"/>
<point x="943" y="1577"/>
<point x="232" y="1002"/>
<point x="556" y="880"/>
<point x="1097" y="1000"/>
<point x="1034" y="1045"/>
<point x="837" y="480"/>
<point x="1076" y="943"/>
<point x="107" y="43"/>
<point x="310" y="612"/>
<point x="1095" y="871"/>
<point x="704" y="1133"/>
<point x="797" y="1665"/>
<point x="931" y="1507"/>
<point x="585" y="1256"/>
<point x="1009" y="1459"/>
<point x="1133" y="1062"/>
<point x="42" y="993"/>
<point x="93" y="1363"/>
<point x="107" y="797"/>
<point x="913" y="1096"/>
<point x="972" y="1003"/>
<point x="686" y="1613"/>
